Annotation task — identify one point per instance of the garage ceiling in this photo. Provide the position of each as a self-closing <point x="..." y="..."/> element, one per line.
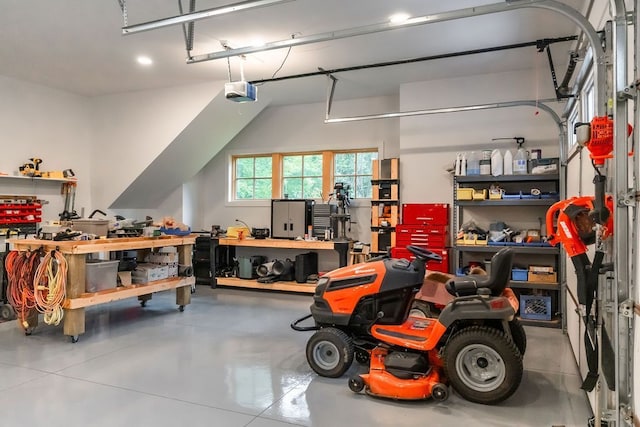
<point x="78" y="46"/>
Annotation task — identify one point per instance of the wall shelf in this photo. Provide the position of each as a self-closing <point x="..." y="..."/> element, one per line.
<point x="37" y="179"/>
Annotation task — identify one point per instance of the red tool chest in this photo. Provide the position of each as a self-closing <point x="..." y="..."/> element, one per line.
<point x="425" y="225"/>
<point x="425" y="213"/>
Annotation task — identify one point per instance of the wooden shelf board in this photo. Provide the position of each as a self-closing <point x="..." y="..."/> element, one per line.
<point x="116" y="294"/>
<point x="305" y="288"/>
<point x="278" y="243"/>
<point x="38" y="179"/>
<point x="102" y="245"/>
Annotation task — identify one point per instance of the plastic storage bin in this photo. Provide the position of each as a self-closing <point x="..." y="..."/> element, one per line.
<point x="519" y="274"/>
<point x="535" y="307"/>
<point x="101" y="275"/>
<point x="99" y="227"/>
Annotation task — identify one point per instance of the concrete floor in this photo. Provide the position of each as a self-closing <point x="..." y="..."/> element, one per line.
<point x="231" y="360"/>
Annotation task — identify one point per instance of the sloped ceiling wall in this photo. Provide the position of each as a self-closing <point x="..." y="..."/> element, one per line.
<point x="216" y="125"/>
<point x="148" y="143"/>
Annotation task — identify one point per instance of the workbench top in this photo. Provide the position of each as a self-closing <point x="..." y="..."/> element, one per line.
<point x="102" y="245"/>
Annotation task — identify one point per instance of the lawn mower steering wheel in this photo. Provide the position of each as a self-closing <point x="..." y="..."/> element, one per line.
<point x="424" y="254"/>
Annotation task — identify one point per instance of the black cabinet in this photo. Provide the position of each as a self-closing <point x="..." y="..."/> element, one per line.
<point x="291" y="218"/>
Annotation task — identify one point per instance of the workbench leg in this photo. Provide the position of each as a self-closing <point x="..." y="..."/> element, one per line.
<point x="183" y="294"/>
<point x="213" y="256"/>
<point x="74" y="318"/>
<point x="144" y="298"/>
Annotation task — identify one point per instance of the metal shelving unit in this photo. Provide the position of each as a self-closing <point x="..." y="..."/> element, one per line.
<point x="520" y="186"/>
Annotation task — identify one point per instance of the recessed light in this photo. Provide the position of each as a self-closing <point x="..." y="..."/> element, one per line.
<point x="144" y="60"/>
<point x="399" y="18"/>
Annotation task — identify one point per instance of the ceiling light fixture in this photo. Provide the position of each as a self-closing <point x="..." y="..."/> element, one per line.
<point x="258" y="42"/>
<point x="399" y="18"/>
<point x="144" y="60"/>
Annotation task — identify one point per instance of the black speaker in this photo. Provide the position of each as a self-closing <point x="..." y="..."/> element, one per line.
<point x="306" y="265"/>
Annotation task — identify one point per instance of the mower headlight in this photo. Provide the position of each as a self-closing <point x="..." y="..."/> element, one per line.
<point x="322" y="285"/>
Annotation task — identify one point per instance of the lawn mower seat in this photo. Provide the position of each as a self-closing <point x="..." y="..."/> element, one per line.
<point x="496" y="282"/>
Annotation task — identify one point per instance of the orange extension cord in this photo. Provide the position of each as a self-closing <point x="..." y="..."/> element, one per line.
<point x="21" y="268"/>
<point x="50" y="283"/>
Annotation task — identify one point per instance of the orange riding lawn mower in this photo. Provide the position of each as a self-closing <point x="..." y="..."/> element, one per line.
<point x="418" y="334"/>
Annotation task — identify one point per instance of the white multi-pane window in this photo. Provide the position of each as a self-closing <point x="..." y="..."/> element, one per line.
<point x="302" y="176"/>
<point x="354" y="168"/>
<point x="252" y="177"/>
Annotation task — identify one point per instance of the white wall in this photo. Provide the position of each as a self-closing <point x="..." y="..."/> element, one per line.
<point x="429" y="143"/>
<point x="37" y="121"/>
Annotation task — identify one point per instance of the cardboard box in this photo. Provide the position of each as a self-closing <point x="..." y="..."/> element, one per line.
<point x="541" y="268"/>
<point x="162" y="258"/>
<point x="542" y="277"/>
<point x="125" y="278"/>
<point x="145" y="273"/>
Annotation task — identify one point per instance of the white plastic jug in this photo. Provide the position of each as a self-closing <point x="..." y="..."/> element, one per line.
<point x="520" y="162"/>
<point x="496" y="163"/>
<point x="508" y="163"/>
<point x="473" y="163"/>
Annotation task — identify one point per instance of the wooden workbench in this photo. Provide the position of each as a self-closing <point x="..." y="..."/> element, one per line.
<point x="75" y="252"/>
<point x="341" y="247"/>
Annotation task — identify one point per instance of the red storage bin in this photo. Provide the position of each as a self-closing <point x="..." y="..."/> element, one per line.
<point x="442" y="266"/>
<point x="425" y="213"/>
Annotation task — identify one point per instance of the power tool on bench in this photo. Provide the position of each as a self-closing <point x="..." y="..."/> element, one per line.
<point x="31" y="168"/>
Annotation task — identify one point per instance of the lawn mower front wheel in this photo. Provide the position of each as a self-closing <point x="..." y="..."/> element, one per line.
<point x="330" y="352"/>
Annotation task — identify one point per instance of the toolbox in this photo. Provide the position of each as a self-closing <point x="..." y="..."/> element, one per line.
<point x="425" y="213"/>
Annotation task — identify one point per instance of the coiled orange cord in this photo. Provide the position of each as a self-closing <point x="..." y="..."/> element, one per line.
<point x="21" y="268"/>
<point x="50" y="283"/>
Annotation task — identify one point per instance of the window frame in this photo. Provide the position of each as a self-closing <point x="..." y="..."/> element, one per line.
<point x="277" y="173"/>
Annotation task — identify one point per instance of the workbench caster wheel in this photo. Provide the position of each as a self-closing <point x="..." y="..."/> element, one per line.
<point x="181" y="308"/>
<point x="28" y="331"/>
<point x="7" y="312"/>
<point x="143" y="303"/>
<point x="74" y="339"/>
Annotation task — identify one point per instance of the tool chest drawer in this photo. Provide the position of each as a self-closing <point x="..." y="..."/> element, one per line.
<point x="425" y="213"/>
<point x="436" y="236"/>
